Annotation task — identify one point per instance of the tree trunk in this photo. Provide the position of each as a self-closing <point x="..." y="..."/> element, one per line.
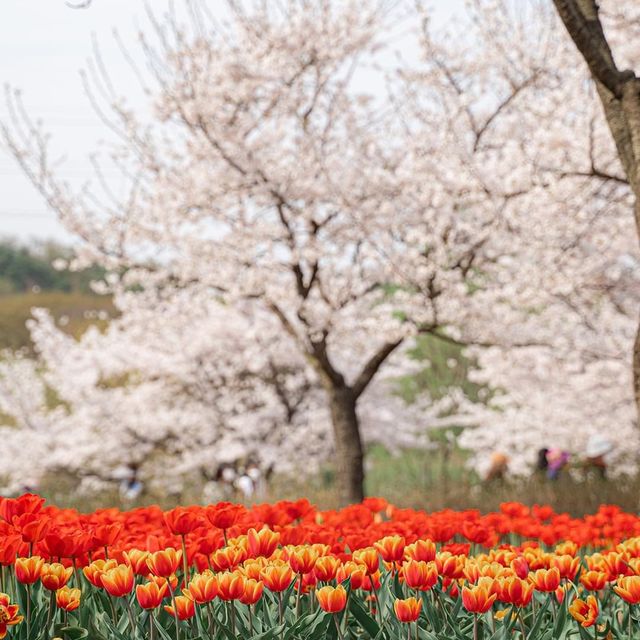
<point x="619" y="92"/>
<point x="349" y="451"/>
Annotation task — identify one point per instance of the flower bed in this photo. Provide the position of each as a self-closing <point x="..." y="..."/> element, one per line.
<point x="290" y="571"/>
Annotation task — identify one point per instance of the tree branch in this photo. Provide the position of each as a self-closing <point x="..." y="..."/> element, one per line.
<point x="588" y="36"/>
<point x="373" y="365"/>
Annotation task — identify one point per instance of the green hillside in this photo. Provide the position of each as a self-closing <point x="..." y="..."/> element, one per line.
<point x="28" y="279"/>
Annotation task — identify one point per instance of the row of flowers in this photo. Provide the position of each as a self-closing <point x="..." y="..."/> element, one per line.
<point x="255" y="583"/>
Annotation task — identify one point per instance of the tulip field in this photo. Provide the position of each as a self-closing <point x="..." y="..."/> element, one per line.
<point x="288" y="571"/>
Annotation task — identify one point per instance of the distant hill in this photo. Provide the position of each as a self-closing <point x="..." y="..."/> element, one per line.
<point x="28" y="279"/>
<point x="28" y="268"/>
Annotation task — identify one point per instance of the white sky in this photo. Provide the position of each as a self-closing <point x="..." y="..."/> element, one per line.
<point x="43" y="45"/>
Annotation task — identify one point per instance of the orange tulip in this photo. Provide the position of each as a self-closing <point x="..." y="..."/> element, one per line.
<point x="407" y="610"/>
<point x="252" y="591"/>
<point x="303" y="559"/>
<point x="594" y="580"/>
<point x="151" y="595"/>
<point x="479" y="599"/>
<point x="420" y="575"/>
<point x="138" y="561"/>
<point x="252" y="568"/>
<point x="93" y="572"/>
<point x="332" y="599"/>
<point x="561" y="592"/>
<point x="8" y="614"/>
<point x="391" y="548"/>
<point x="230" y="585"/>
<point x="118" y="582"/>
<point x="567" y="548"/>
<point x="515" y="591"/>
<point x="55" y="576"/>
<point x="421" y="550"/>
<point x="585" y="612"/>
<point x="277" y="577"/>
<point x="450" y="566"/>
<point x="628" y="588"/>
<point x="263" y="542"/>
<point x="28" y="570"/>
<point x="165" y="562"/>
<point x="185" y="608"/>
<point x="68" y="599"/>
<point x="203" y="588"/>
<point x="567" y="565"/>
<point x="171" y="580"/>
<point x="326" y="568"/>
<point x="355" y="572"/>
<point x="228" y="558"/>
<point x="368" y="557"/>
<point x="545" y="579"/>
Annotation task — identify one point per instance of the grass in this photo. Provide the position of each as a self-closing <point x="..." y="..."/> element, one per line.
<point x="73" y="309"/>
<point x="430" y="480"/>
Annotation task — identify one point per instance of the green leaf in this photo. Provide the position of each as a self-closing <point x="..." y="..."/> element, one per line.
<point x="534" y="632"/>
<point x="363" y="617"/>
<point x="71" y="633"/>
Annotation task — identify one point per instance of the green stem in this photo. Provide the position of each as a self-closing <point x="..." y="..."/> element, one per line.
<point x="232" y="612"/>
<point x="375" y="603"/>
<point x="340" y="634"/>
<point x="28" y="610"/>
<point x="185" y="565"/>
<point x="52" y="602"/>
<point x="522" y="627"/>
<point x="114" y="616"/>
<point x="280" y="612"/>
<point x="210" y="615"/>
<point x="475" y="626"/>
<point x="298" y="595"/>
<point x="130" y="612"/>
<point x="76" y="575"/>
<point x="175" y="609"/>
<point x="152" y="626"/>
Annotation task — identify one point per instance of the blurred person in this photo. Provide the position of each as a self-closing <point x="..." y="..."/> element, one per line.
<point x="598" y="448"/>
<point x="244" y="484"/>
<point x="542" y="463"/>
<point x="258" y="478"/>
<point x="131" y="486"/>
<point x="498" y="467"/>
<point x="557" y="460"/>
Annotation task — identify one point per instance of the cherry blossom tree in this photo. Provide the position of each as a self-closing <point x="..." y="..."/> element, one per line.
<point x="604" y="37"/>
<point x="523" y="117"/>
<point x="268" y="183"/>
<point x="286" y="234"/>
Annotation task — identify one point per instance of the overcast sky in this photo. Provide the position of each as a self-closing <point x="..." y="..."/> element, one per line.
<point x="43" y="45"/>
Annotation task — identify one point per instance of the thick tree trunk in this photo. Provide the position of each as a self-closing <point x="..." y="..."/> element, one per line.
<point x="349" y="451"/>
